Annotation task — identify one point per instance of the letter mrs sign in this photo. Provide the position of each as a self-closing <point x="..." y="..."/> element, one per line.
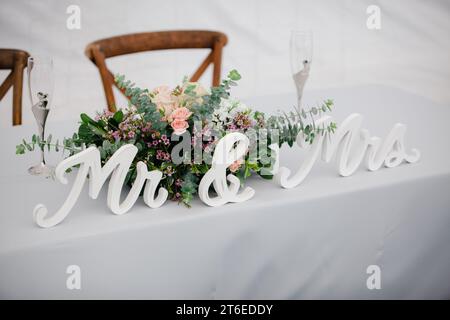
<point x="350" y="144"/>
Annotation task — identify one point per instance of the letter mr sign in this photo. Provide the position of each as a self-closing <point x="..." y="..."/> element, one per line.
<point x="350" y="143"/>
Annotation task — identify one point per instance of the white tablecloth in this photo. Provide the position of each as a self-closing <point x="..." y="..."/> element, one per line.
<point x="314" y="241"/>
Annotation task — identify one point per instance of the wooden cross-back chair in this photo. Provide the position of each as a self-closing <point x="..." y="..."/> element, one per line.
<point x="16" y="61"/>
<point x="100" y="50"/>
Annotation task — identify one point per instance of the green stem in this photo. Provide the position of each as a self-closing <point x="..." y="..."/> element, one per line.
<point x="42" y="144"/>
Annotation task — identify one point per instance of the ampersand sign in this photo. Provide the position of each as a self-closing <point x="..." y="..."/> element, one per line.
<point x="229" y="149"/>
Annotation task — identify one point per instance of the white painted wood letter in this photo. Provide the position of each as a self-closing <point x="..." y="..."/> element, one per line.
<point x="117" y="166"/>
<point x="230" y="148"/>
<point x="350" y="144"/>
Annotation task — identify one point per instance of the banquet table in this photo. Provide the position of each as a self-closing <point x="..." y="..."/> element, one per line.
<point x="313" y="241"/>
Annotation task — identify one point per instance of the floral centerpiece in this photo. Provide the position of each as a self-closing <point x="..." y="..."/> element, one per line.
<point x="176" y="130"/>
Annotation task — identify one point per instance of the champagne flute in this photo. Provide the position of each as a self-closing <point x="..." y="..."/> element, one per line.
<point x="301" y="49"/>
<point x="40" y="89"/>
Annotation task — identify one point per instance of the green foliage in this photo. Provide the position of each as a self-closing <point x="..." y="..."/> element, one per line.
<point x="292" y="123"/>
<point x="189" y="188"/>
<point x="234" y="75"/>
<point x="141" y="100"/>
<point x="212" y="101"/>
<point x="70" y="145"/>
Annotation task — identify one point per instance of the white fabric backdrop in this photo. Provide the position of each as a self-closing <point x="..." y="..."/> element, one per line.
<point x="410" y="51"/>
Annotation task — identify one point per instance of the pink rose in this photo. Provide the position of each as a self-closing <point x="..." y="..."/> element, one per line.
<point x="179" y="126"/>
<point x="182" y="113"/>
<point x="236" y="165"/>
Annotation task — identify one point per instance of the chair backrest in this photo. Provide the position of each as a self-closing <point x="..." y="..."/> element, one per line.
<point x="100" y="50"/>
<point x="16" y="61"/>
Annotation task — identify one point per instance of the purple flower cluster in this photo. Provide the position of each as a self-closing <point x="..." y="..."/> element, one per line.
<point x="162" y="155"/>
<point x="165" y="140"/>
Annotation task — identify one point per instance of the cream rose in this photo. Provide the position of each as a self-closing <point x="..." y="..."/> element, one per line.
<point x="164" y="100"/>
<point x="195" y="96"/>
